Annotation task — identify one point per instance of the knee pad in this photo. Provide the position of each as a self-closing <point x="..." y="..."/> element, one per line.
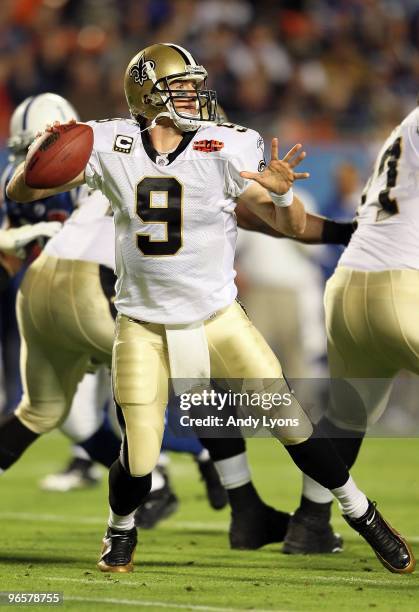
<point x="293" y="424"/>
<point x="144" y="426"/>
<point x="43" y="416"/>
<point x="282" y="414"/>
<point x="357" y="403"/>
<point x="144" y="444"/>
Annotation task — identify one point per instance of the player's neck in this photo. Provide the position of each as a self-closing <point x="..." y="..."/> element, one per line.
<point x="165" y="137"/>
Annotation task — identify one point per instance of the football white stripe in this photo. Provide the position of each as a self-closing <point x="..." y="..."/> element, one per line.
<point x="313" y="577"/>
<point x="188" y="55"/>
<point x="141" y="602"/>
<point x="29" y="103"/>
<point x="97" y="520"/>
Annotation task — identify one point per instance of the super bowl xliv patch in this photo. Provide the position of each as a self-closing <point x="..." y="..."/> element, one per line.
<point x="123" y="144"/>
<point x="208" y="146"/>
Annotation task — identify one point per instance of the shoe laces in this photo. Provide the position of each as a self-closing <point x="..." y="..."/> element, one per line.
<point x="382" y="534"/>
<point x="121" y="546"/>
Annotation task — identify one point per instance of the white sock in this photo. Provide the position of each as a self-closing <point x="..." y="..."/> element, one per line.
<point x="79" y="452"/>
<point x="352" y="501"/>
<point x="157" y="480"/>
<point x="121" y="522"/>
<point x="203" y="456"/>
<point x="233" y="472"/>
<point x="314" y="491"/>
<point x="164" y="460"/>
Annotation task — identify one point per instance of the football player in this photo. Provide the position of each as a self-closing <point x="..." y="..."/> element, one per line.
<point x="86" y="238"/>
<point x="173" y="179"/>
<point x="30" y="117"/>
<point x="84" y="425"/>
<point x="371" y="305"/>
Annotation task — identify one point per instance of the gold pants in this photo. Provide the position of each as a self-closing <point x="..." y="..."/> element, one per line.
<point x="140" y="367"/>
<point x="64" y="321"/>
<point x="373" y="332"/>
<point x="276" y="313"/>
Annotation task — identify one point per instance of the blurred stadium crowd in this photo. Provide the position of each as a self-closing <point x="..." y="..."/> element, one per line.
<point x="322" y="69"/>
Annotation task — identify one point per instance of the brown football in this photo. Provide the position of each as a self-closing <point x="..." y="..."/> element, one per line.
<point x="59" y="156"/>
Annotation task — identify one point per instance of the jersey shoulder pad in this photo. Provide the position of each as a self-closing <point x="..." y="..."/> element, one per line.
<point x="114" y="134"/>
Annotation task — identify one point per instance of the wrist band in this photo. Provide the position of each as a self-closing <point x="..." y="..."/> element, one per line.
<point x="283" y="200"/>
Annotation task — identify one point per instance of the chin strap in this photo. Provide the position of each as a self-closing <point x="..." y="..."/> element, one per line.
<point x="154" y="122"/>
<point x="185" y="125"/>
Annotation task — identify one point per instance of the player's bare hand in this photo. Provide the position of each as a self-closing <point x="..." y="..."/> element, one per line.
<point x="53" y="127"/>
<point x="279" y="175"/>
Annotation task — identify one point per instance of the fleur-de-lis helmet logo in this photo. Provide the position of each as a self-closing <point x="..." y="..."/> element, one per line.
<point x="139" y="70"/>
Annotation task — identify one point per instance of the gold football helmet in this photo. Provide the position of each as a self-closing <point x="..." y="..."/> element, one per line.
<point x="147" y="86"/>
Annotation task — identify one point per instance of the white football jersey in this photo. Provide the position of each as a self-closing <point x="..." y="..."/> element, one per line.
<point x="387" y="237"/>
<point x="89" y="234"/>
<point x="174" y="216"/>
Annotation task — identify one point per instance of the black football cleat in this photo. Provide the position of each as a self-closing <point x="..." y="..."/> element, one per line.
<point x="158" y="505"/>
<point x="254" y="527"/>
<point x="118" y="550"/>
<point x="310" y="535"/>
<point x="216" y="494"/>
<point x="389" y="546"/>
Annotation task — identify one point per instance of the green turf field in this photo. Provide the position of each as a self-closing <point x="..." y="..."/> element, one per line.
<point x="50" y="542"/>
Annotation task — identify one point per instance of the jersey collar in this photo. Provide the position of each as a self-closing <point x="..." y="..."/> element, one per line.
<point x="153" y="154"/>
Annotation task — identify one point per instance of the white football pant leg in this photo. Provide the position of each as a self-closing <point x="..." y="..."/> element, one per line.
<point x="87" y="410"/>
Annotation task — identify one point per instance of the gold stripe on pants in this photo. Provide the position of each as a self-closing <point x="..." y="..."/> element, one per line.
<point x="373" y="332"/>
<point x="64" y="320"/>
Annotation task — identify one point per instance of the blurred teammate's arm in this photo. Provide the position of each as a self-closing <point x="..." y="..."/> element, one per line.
<point x="13" y="240"/>
<point x="19" y="191"/>
<point x="318" y="230"/>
